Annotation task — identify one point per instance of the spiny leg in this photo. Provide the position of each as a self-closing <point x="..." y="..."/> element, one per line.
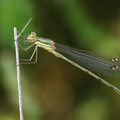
<point x="28" y="61"/>
<point x="27" y="48"/>
<point x="24" y="38"/>
<point x="24" y="49"/>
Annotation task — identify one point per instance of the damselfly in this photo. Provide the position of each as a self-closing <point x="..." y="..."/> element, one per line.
<point x="84" y="60"/>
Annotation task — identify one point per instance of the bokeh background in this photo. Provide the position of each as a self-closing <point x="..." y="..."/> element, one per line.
<point x="54" y="89"/>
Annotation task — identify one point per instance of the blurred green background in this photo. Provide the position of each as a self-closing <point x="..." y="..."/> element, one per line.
<point x="53" y="89"/>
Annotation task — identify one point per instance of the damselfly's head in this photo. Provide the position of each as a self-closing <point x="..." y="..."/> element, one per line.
<point x="32" y="37"/>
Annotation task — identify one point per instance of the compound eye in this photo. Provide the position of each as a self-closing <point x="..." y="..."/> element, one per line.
<point x="33" y="34"/>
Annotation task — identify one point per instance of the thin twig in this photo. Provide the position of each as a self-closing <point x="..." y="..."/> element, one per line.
<point x="24" y="27"/>
<point x="18" y="68"/>
<point x="18" y="73"/>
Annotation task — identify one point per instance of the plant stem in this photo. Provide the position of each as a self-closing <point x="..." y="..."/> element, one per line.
<point x="18" y="68"/>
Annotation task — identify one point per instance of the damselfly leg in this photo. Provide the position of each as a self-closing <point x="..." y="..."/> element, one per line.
<point x="29" y="61"/>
